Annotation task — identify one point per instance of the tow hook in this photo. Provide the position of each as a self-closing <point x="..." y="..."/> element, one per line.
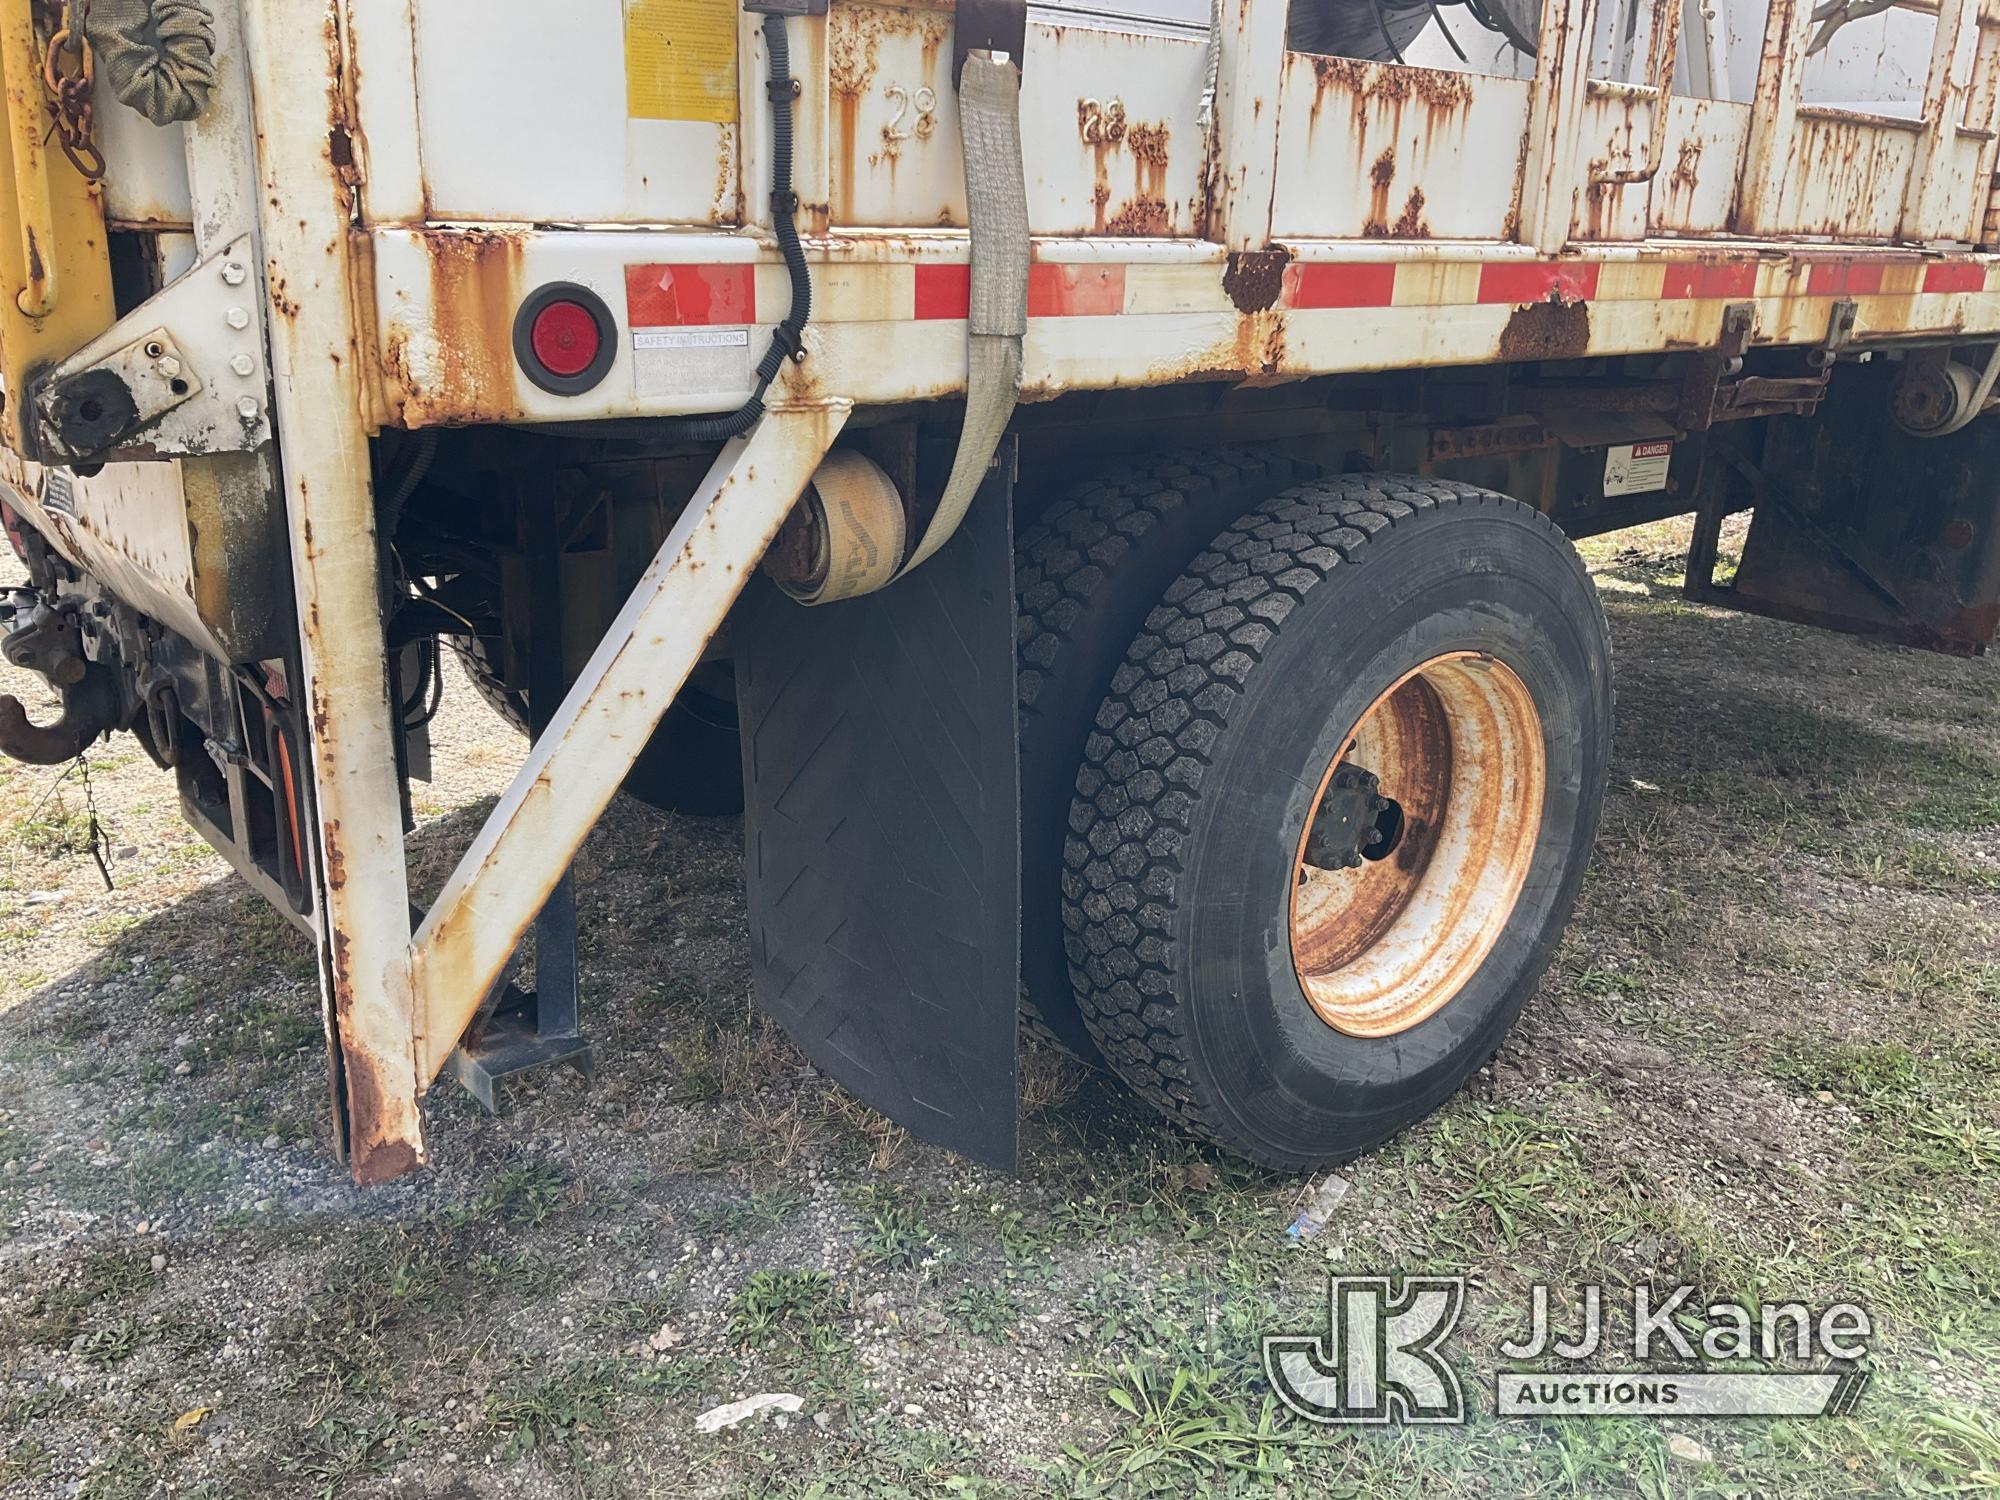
<point x="90" y="710"/>
<point x="46" y="640"/>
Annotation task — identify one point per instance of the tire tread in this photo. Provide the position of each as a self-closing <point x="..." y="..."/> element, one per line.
<point x="1145" y="763"/>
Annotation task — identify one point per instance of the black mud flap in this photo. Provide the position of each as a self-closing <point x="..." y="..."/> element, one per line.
<point x="882" y="814"/>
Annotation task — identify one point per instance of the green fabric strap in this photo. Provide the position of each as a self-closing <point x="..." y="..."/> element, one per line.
<point x="157" y="55"/>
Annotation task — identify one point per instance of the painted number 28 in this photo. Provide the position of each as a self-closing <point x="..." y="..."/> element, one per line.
<point x="923" y="101"/>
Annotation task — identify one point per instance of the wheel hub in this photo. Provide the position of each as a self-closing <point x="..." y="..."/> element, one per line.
<point x="1354" y="822"/>
<point x="1446" y="772"/>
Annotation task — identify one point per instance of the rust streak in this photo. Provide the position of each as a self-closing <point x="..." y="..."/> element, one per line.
<point x="460" y="369"/>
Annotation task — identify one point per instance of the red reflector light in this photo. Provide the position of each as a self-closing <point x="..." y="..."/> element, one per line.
<point x="566" y="339"/>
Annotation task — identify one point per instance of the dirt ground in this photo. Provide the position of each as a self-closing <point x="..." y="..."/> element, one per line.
<point x="1766" y="1063"/>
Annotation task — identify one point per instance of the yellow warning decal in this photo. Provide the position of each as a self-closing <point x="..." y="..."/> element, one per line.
<point x="680" y="60"/>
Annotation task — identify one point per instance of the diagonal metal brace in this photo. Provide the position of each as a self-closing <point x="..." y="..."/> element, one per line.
<point x="576" y="766"/>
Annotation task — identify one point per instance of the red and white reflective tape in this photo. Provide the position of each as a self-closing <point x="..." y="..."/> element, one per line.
<point x="707" y="294"/>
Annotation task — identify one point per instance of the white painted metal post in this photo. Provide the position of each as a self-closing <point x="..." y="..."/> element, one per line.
<point x="222" y="145"/>
<point x="576" y="766"/>
<point x="1774" y="117"/>
<point x="1246" y="122"/>
<point x="1553" y="186"/>
<point x="1945" y="198"/>
<point x="316" y="353"/>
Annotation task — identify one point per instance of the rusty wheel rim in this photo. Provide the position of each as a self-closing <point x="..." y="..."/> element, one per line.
<point x="1407" y="899"/>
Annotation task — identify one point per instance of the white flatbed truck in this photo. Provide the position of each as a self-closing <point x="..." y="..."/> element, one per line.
<point x="1091" y="484"/>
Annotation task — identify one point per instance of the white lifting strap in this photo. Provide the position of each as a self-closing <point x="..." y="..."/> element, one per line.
<point x="996" y="193"/>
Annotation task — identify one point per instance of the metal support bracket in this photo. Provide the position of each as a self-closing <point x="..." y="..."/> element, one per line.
<point x="182" y="374"/>
<point x="525" y="1031"/>
<point x="1702" y="389"/>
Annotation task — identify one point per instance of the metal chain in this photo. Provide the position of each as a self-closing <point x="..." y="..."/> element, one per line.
<point x="70" y="72"/>
<point x="100" y="841"/>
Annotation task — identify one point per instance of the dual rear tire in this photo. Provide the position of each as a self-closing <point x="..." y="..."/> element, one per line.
<point x="1331" y="812"/>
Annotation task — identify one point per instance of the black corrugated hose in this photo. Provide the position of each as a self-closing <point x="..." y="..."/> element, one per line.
<point x="785" y="338"/>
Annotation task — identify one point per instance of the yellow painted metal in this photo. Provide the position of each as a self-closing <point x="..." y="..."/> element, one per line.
<point x="55" y="264"/>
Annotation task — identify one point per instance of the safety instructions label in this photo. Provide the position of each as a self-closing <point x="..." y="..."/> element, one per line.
<point x="1637" y="468"/>
<point x="680" y="60"/>
<point x="691" y="361"/>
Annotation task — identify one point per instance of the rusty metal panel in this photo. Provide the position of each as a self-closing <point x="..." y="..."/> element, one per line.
<point x="1122" y="154"/>
<point x="1100" y="111"/>
<point x="1844" y="176"/>
<point x="892" y="136"/>
<point x="1375" y="150"/>
<point x="1696" y="186"/>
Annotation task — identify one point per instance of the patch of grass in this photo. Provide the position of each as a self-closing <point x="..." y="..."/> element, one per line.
<point x="799" y="1308"/>
<point x="174" y="1174"/>
<point x="724" y="1057"/>
<point x="129" y="1473"/>
<point x="985" y="1308"/>
<point x="25" y="1461"/>
<point x="55" y="832"/>
<point x="1961" y="1444"/>
<point x="549" y="1409"/>
<point x="900" y="1463"/>
<point x="1179" y="1429"/>
<point x="266" y="1027"/>
<point x="269" y="940"/>
<point x="100" y="1282"/>
<point x="1601" y="981"/>
<point x="745" y="1218"/>
<point x="524" y="1271"/>
<point x="1852" y="1070"/>
<point x="526" y="1194"/>
<point x="897" y="1238"/>
<point x="339" y="1449"/>
<point x="1921" y="865"/>
<point x="113" y="1343"/>
<point x="1952" y="1140"/>
<point x="78" y="1023"/>
<point x="337" y="1341"/>
<point x="1506" y="1173"/>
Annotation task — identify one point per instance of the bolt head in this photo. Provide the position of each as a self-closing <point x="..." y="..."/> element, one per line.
<point x="243" y="364"/>
<point x="234" y="274"/>
<point x="248" y="409"/>
<point x="238" y="318"/>
<point x="168" y="366"/>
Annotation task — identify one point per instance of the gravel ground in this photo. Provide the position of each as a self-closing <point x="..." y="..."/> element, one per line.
<point x="1765" y="1063"/>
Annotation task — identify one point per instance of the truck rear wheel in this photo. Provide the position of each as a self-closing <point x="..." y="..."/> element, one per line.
<point x="1335" y="812"/>
<point x="1087" y="572"/>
